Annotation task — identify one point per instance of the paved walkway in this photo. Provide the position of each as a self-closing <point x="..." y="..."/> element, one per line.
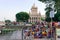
<point x="42" y="39"/>
<point x="47" y="39"/>
<point x="17" y="36"/>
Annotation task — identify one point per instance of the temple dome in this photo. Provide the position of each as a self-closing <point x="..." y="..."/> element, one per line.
<point x="34" y="6"/>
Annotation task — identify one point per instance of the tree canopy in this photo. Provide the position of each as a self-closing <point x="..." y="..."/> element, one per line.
<point x="57" y="17"/>
<point x="51" y="3"/>
<point x="22" y="16"/>
<point x="7" y="21"/>
<point x="56" y="3"/>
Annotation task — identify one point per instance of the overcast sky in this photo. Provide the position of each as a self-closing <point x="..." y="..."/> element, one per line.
<point x="8" y="8"/>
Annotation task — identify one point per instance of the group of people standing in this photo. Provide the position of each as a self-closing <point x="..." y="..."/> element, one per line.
<point x="40" y="30"/>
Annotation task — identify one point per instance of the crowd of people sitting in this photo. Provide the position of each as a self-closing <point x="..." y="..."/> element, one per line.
<point x="40" y="30"/>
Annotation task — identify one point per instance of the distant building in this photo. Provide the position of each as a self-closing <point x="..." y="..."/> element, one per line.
<point x="2" y="23"/>
<point x="34" y="15"/>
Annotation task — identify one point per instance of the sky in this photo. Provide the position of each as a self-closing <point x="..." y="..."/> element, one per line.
<point x="9" y="8"/>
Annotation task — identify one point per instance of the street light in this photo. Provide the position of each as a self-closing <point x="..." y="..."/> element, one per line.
<point x="51" y="16"/>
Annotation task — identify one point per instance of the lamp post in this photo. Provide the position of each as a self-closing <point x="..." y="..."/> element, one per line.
<point x="51" y="16"/>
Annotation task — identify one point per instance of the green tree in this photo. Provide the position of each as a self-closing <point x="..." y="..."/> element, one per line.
<point x="43" y="19"/>
<point x="22" y="16"/>
<point x="56" y="4"/>
<point x="57" y="17"/>
<point x="47" y="9"/>
<point x="48" y="19"/>
<point x="7" y="22"/>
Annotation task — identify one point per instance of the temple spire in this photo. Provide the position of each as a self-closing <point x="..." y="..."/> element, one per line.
<point x="34" y="6"/>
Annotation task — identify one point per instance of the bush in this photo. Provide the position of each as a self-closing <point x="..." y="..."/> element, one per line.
<point x="6" y="31"/>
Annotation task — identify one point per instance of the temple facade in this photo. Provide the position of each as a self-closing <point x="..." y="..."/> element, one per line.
<point x="35" y="16"/>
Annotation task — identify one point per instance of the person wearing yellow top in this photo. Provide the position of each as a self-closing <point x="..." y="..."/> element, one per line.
<point x="44" y="33"/>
